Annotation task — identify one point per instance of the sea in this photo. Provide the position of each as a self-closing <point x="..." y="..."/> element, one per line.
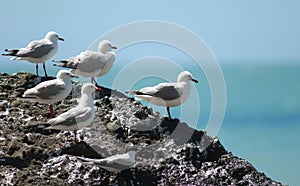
<point x="262" y="113"/>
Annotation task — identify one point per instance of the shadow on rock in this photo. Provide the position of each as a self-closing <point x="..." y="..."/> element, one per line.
<point x="40" y="128"/>
<point x="27" y="157"/>
<point x="81" y="149"/>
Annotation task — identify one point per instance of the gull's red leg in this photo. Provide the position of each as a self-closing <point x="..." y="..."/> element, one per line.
<point x="51" y="111"/>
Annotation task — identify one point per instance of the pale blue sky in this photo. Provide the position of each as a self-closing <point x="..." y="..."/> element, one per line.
<point x="249" y="30"/>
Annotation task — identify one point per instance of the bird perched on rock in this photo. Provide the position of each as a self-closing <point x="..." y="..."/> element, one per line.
<point x="51" y="91"/>
<point x="78" y="117"/>
<point x="91" y="63"/>
<point x="37" y="51"/>
<point x="167" y="94"/>
<point x="114" y="163"/>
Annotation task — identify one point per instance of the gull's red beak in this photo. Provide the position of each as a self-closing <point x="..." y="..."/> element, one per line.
<point x="99" y="89"/>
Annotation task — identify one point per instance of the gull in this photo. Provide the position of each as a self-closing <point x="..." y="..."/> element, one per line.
<point x="167" y="94"/>
<point x="78" y="117"/>
<point x="51" y="91"/>
<point x="91" y="63"/>
<point x="37" y="51"/>
<point x="114" y="163"/>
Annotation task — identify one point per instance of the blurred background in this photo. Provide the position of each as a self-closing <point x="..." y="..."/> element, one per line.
<point x="255" y="42"/>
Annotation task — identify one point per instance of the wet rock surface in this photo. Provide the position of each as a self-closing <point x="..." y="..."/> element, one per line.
<point x="168" y="152"/>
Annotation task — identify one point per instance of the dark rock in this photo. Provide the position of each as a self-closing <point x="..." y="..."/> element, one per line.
<point x="63" y="175"/>
<point x="240" y="170"/>
<point x="13" y="146"/>
<point x="172" y="161"/>
<point x="142" y="114"/>
<point x="81" y="149"/>
<point x="170" y="153"/>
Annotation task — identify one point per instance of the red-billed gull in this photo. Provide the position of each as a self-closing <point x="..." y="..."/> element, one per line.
<point x="51" y="91"/>
<point x="114" y="163"/>
<point x="167" y="94"/>
<point x="78" y="117"/>
<point x="91" y="63"/>
<point x="37" y="51"/>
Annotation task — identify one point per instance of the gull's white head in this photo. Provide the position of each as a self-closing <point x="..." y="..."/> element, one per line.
<point x="65" y="75"/>
<point x="53" y="36"/>
<point x="105" y="46"/>
<point x="186" y="76"/>
<point x="88" y="88"/>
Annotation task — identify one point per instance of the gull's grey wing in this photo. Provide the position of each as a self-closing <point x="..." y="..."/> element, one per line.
<point x="48" y="91"/>
<point x="167" y="93"/>
<point x="163" y="91"/>
<point x="72" y="117"/>
<point x="36" y="49"/>
<point x="35" y="43"/>
<point x="89" y="61"/>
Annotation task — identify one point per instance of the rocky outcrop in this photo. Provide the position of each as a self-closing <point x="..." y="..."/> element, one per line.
<point x="168" y="152"/>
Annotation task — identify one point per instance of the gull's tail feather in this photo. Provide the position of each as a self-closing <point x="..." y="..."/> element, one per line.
<point x="87" y="161"/>
<point x="15" y="58"/>
<point x="60" y="61"/>
<point x="64" y="63"/>
<point x="11" y="52"/>
<point x="61" y="65"/>
<point x="134" y="92"/>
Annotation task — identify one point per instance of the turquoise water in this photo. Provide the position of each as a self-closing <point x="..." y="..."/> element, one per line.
<point x="262" y="122"/>
<point x="262" y="119"/>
